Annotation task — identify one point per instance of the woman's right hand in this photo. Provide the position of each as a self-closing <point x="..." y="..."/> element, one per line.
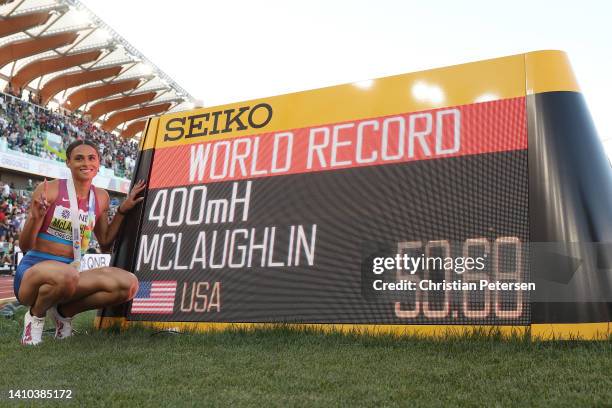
<point x="39" y="208"/>
<point x="40" y="205"/>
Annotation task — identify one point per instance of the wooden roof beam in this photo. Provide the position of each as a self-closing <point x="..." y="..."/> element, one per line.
<point x="120" y="117"/>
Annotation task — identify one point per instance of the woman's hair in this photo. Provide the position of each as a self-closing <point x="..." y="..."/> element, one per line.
<point x="76" y="143"/>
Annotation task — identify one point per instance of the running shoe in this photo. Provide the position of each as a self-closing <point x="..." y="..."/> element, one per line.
<point x="32" y="329"/>
<point x="63" y="325"/>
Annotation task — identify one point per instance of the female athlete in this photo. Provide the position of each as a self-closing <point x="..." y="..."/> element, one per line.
<point x="47" y="279"/>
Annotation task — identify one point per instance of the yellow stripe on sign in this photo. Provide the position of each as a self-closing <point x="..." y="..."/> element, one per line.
<point x="549" y="71"/>
<point x="147" y="140"/>
<point x="494" y="79"/>
<point x="571" y="331"/>
<point x="557" y="331"/>
<point x="376" y="329"/>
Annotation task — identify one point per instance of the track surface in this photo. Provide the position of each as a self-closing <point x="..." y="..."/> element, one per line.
<point x="6" y="288"/>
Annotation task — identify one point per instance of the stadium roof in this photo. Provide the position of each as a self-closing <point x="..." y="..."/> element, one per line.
<point x="62" y="52"/>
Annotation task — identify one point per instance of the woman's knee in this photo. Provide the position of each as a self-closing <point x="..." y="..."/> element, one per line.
<point x="66" y="281"/>
<point x="125" y="283"/>
<point x="133" y="286"/>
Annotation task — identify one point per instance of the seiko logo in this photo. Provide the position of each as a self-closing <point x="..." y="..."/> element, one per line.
<point x="224" y="121"/>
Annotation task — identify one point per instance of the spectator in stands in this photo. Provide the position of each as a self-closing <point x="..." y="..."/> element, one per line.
<point x="5" y="229"/>
<point x="6" y="191"/>
<point x="17" y="220"/>
<point x="7" y="260"/>
<point x="5" y="251"/>
<point x="11" y="243"/>
<point x="16" y="248"/>
<point x="9" y="89"/>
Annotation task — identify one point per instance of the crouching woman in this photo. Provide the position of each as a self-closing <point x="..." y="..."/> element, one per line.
<point x="48" y="278"/>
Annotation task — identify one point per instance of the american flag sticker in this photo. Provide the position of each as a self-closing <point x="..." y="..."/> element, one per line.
<point x="155" y="297"/>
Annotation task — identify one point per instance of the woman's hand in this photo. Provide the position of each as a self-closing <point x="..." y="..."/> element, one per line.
<point x="132" y="198"/>
<point x="39" y="206"/>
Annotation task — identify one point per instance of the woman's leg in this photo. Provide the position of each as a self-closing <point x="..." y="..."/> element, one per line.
<point x="47" y="283"/>
<point x="98" y="288"/>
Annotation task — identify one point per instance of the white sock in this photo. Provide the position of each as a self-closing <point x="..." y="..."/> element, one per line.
<point x="36" y="317"/>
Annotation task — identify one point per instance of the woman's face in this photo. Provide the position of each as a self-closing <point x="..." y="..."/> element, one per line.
<point x="84" y="163"/>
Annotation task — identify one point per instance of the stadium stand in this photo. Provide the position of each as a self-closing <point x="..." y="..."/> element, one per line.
<point x="25" y="127"/>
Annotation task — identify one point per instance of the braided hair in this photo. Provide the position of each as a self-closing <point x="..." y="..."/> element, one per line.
<point x="81" y="142"/>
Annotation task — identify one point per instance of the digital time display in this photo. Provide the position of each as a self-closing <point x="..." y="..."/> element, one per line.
<point x="441" y="292"/>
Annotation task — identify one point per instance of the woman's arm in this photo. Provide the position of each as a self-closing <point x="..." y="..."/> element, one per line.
<point x="107" y="233"/>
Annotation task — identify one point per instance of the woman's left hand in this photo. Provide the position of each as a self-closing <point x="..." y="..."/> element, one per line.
<point x="132" y="198"/>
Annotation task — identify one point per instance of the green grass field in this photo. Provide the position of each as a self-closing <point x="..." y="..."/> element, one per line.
<point x="279" y="367"/>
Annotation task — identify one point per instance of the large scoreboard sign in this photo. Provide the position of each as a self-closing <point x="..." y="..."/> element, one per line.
<point x="389" y="203"/>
